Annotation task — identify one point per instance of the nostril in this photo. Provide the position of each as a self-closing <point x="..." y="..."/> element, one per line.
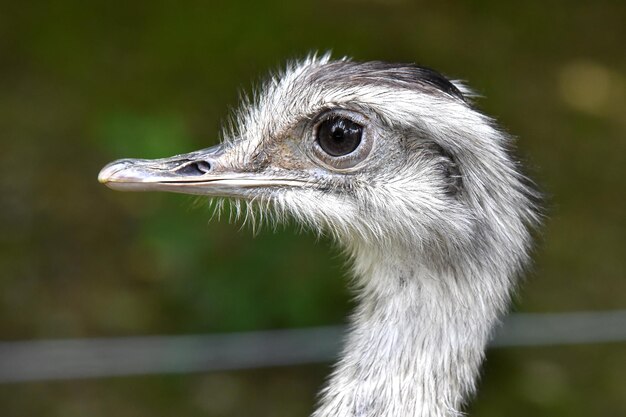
<point x="195" y="168"/>
<point x="203" y="166"/>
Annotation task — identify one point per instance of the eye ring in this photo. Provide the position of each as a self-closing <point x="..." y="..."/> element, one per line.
<point x="345" y="141"/>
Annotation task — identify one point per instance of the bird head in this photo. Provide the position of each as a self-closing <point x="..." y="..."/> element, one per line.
<point x="377" y="155"/>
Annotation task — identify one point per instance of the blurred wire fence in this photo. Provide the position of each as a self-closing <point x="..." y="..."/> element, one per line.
<point x="105" y="357"/>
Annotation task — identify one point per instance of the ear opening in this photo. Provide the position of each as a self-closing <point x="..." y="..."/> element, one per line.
<point x="450" y="170"/>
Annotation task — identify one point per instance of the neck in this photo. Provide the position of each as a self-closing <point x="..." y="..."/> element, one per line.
<point x="416" y="342"/>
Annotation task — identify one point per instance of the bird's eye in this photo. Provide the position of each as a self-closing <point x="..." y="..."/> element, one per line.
<point x="339" y="136"/>
<point x="342" y="139"/>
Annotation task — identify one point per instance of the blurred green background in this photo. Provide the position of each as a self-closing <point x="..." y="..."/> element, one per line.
<point x="82" y="83"/>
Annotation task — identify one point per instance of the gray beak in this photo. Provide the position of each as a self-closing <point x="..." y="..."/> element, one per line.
<point x="206" y="172"/>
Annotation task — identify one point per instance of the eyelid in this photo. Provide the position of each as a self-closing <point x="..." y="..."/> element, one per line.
<point x="327" y="113"/>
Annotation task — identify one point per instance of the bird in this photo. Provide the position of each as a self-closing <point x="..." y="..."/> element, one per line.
<point x="420" y="190"/>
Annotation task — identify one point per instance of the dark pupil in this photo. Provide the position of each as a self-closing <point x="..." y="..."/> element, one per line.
<point x="339" y="136"/>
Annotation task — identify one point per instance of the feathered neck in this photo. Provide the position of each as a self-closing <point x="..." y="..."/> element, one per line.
<point x="416" y="342"/>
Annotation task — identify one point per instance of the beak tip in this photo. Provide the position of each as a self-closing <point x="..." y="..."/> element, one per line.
<point x="107" y="174"/>
<point x="102" y="179"/>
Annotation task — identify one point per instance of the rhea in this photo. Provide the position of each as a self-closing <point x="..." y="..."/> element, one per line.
<point x="420" y="190"/>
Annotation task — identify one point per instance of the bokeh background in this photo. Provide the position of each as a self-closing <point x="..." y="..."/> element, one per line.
<point x="82" y="83"/>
